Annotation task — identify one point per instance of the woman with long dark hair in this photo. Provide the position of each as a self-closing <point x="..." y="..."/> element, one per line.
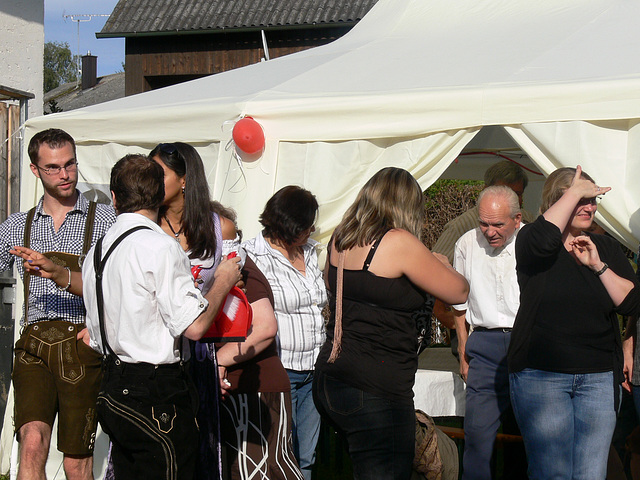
<point x="200" y="226"/>
<point x="186" y="213"/>
<point x="254" y="385"/>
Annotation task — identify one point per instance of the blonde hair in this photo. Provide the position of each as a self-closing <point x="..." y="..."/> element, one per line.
<point x="556" y="184"/>
<point x="392" y="198"/>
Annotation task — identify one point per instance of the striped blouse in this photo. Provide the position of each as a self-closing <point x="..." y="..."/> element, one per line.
<point x="299" y="300"/>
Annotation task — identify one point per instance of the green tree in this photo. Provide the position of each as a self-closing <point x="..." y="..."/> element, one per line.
<point x="60" y="66"/>
<point x="53" y="108"/>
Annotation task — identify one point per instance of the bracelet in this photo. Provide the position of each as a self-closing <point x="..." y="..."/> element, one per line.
<point x="65" y="288"/>
<point x="602" y="270"/>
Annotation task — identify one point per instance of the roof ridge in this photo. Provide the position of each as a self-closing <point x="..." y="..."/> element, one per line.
<point x="158" y="16"/>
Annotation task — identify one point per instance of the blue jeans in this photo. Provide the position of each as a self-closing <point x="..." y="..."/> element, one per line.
<point x="380" y="433"/>
<point x="566" y="420"/>
<point x="306" y="420"/>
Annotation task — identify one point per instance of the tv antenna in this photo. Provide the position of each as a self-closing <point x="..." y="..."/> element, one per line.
<point x="81" y="17"/>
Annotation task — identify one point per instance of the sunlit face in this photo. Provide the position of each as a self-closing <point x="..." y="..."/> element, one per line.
<point x="172" y="184"/>
<point x="61" y="185"/>
<point x="582" y="216"/>
<point x="496" y="224"/>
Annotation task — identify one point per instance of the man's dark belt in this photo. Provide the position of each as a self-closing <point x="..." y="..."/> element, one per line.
<point x="485" y="329"/>
<point x="146" y="369"/>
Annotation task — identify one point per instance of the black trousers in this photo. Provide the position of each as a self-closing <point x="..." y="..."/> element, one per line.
<point x="149" y="411"/>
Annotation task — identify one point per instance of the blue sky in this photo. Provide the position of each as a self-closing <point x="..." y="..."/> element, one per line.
<point x="110" y="52"/>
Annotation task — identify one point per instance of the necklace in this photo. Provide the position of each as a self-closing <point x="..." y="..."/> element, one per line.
<point x="298" y="253"/>
<point x="175" y="234"/>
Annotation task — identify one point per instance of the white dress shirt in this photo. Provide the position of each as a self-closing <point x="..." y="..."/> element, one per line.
<point x="299" y="300"/>
<point x="149" y="293"/>
<point x="494" y="295"/>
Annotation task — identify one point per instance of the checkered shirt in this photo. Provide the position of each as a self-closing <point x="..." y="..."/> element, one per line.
<point x="46" y="302"/>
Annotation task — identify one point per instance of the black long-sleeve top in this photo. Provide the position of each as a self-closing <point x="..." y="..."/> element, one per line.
<point x="567" y="321"/>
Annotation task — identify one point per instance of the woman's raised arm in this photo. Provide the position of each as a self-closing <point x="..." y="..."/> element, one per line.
<point x="431" y="273"/>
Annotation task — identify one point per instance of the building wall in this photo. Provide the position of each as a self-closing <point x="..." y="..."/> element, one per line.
<point x="22" y="48"/>
<point x="155" y="62"/>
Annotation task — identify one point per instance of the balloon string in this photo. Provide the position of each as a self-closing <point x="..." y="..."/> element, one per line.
<point x="234" y="155"/>
<point x="242" y="176"/>
<point x="226" y="123"/>
<point x="263" y="170"/>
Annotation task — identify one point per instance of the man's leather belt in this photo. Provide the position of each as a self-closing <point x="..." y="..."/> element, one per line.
<point x="485" y="329"/>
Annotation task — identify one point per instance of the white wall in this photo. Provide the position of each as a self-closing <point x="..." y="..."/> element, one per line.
<point x="22" y="48"/>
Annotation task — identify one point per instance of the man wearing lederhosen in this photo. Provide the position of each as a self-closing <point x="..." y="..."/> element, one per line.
<point x="54" y="372"/>
<point x="141" y="300"/>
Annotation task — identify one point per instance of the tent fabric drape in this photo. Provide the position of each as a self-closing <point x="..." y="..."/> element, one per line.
<point x="411" y="69"/>
<point x="335" y="172"/>
<point x="608" y="151"/>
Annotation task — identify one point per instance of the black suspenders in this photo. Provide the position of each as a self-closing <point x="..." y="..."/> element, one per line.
<point x="86" y="245"/>
<point x="98" y="265"/>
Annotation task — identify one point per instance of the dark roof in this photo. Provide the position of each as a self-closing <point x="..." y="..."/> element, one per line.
<point x="154" y="17"/>
<point x="69" y="96"/>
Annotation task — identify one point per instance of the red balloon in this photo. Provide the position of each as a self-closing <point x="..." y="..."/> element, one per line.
<point x="248" y="135"/>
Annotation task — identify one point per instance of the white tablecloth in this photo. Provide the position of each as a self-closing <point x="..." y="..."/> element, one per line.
<point x="439" y="393"/>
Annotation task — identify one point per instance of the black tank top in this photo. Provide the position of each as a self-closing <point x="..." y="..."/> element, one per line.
<point x="379" y="338"/>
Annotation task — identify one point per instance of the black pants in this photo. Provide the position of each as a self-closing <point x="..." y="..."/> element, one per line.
<point x="380" y="433"/>
<point x="149" y="412"/>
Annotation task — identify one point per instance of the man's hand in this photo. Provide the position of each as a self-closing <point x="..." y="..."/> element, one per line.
<point x="462" y="330"/>
<point x="37" y="264"/>
<point x="464" y="364"/>
<point x="228" y="273"/>
<point x="83" y="335"/>
<point x="225" y="385"/>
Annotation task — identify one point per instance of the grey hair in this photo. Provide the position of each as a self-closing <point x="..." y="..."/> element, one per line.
<point x="505" y="193"/>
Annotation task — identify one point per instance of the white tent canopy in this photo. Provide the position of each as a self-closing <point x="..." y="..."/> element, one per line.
<point x="409" y="86"/>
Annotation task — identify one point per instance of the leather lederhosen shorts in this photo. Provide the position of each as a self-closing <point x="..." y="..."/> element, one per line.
<point x="54" y="373"/>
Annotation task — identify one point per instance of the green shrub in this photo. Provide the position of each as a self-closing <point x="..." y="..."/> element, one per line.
<point x="444" y="201"/>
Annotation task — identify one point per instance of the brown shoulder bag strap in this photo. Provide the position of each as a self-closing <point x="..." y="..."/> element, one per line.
<point x="337" y="329"/>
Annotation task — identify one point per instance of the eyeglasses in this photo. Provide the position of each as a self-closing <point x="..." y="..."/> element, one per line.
<point x="71" y="166"/>
<point x="588" y="201"/>
<point x="168" y="148"/>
